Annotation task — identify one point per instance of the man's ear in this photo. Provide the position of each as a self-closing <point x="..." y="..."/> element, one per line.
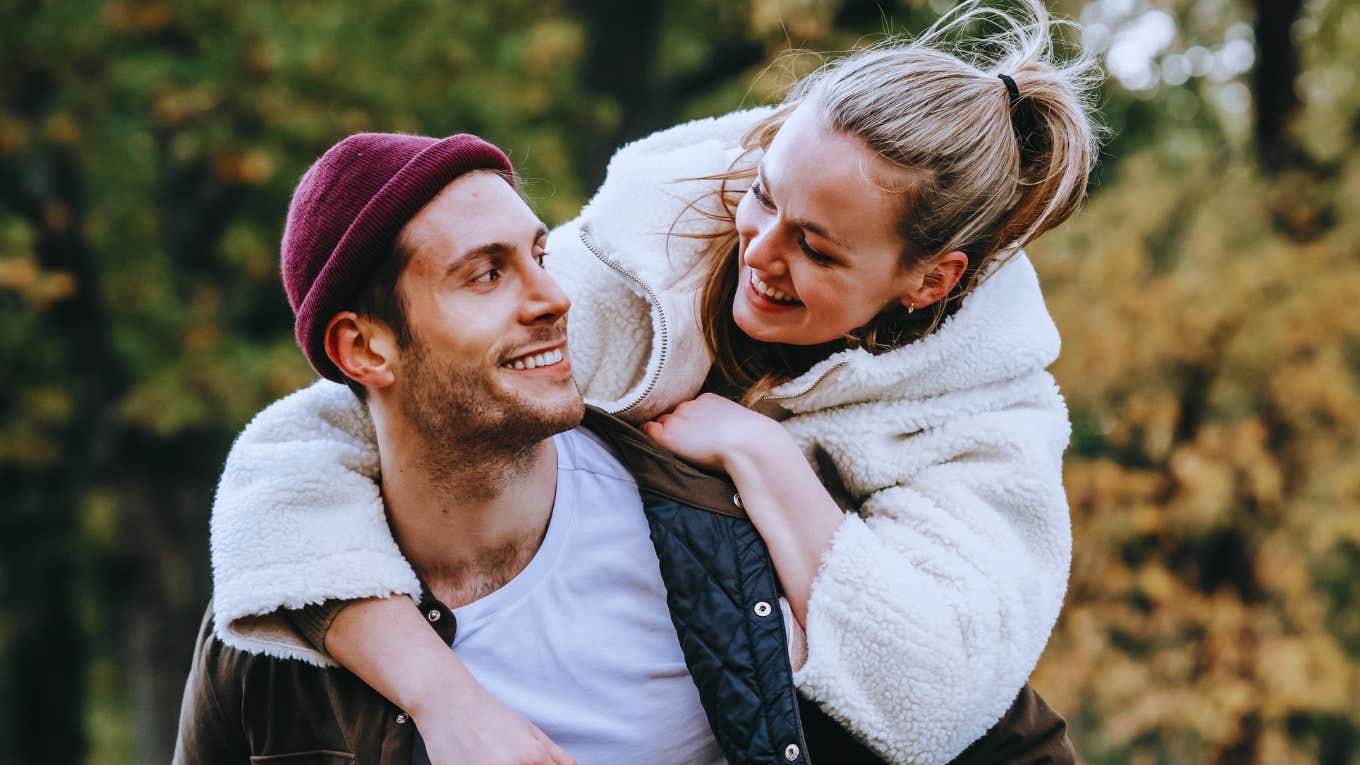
<point x="362" y="349"/>
<point x="941" y="276"/>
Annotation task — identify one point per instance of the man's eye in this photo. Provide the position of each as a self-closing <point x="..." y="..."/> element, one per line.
<point x="488" y="276"/>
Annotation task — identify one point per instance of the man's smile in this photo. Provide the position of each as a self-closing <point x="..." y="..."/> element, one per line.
<point x="551" y="359"/>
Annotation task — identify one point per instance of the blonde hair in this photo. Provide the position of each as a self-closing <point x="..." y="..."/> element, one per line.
<point x="990" y="172"/>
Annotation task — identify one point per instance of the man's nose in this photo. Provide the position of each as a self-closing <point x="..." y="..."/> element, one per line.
<point x="544" y="300"/>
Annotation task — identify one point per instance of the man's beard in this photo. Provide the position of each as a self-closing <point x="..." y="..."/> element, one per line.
<point x="468" y="424"/>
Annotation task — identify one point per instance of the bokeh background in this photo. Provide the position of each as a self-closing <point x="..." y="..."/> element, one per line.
<point x="1209" y="297"/>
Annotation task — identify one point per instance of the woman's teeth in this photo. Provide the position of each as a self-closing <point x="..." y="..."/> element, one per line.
<point x="545" y="359"/>
<point x="771" y="292"/>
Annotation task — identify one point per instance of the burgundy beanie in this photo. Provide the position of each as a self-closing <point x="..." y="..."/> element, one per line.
<point x="348" y="209"/>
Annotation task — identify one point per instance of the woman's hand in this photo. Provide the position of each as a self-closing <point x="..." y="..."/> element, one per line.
<point x="480" y="730"/>
<point x="790" y="508"/>
<point x="711" y="431"/>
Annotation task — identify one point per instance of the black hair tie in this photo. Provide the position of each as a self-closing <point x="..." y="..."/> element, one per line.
<point x="1011" y="88"/>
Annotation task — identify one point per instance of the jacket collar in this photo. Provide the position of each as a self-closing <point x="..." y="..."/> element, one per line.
<point x="660" y="472"/>
<point x="1001" y="332"/>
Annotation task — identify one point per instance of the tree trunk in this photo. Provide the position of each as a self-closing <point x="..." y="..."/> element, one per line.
<point x="1277" y="69"/>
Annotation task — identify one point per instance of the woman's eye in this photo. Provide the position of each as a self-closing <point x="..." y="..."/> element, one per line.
<point x="541" y="257"/>
<point x="812" y="254"/>
<point x="490" y="275"/>
<point x="759" y="193"/>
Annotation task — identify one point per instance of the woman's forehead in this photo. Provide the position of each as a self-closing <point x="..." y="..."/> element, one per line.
<point x="832" y="180"/>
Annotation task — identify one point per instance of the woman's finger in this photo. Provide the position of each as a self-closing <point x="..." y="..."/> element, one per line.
<point x="559" y="757"/>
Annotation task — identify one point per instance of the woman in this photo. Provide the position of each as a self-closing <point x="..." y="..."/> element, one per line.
<point x="867" y="300"/>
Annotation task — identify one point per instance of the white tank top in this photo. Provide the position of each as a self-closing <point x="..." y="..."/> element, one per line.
<point x="581" y="642"/>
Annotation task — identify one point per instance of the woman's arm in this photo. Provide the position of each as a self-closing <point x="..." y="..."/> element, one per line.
<point x="788" y="505"/>
<point x="791" y="509"/>
<point x="298" y="518"/>
<point x="931" y="603"/>
<point x="387" y="644"/>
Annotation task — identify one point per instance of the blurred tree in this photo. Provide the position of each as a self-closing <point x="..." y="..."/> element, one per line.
<point x="1212" y="364"/>
<point x="625" y="68"/>
<point x="1274" y="82"/>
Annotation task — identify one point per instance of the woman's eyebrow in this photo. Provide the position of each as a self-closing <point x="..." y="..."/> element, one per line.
<point x="802" y="223"/>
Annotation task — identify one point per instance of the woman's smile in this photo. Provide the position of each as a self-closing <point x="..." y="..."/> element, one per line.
<point x="771" y="294"/>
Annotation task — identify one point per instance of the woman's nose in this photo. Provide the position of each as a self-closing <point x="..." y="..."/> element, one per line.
<point x="762" y="251"/>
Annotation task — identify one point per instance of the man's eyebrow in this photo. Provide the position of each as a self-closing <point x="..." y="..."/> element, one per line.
<point x="802" y="223"/>
<point x="491" y="249"/>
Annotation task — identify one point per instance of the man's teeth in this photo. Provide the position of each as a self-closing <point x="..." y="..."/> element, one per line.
<point x="770" y="292"/>
<point x="545" y="359"/>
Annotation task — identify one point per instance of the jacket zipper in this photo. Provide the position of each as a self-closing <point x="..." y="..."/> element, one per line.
<point x="652" y="298"/>
<point x="808" y="389"/>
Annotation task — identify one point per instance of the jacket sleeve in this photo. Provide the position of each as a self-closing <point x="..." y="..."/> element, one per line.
<point x="1030" y="733"/>
<point x="298" y="520"/>
<point x="210" y="728"/>
<point x="314" y="620"/>
<point x="936" y="598"/>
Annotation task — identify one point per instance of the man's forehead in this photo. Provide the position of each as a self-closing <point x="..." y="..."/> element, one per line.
<point x="476" y="209"/>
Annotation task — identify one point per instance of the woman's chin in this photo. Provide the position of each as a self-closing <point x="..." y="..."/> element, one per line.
<point x="751" y="324"/>
<point x="753" y="327"/>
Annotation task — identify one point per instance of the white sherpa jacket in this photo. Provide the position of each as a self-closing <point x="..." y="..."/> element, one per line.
<point x="940" y="589"/>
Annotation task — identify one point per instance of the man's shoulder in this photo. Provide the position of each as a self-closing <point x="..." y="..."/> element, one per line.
<point x="222" y="665"/>
<point x="589" y="452"/>
<point x="657" y="471"/>
<point x="236" y="701"/>
<point x="211" y="652"/>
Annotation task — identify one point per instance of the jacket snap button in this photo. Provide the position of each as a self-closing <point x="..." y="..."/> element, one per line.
<point x="763" y="609"/>
<point x="433" y="614"/>
<point x="791" y="752"/>
<point x="401" y="718"/>
<point x="736" y="500"/>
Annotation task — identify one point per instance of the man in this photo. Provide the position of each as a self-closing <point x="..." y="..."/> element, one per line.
<point x="415" y="271"/>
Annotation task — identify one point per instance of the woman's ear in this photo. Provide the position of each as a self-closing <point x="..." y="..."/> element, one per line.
<point x="362" y="349"/>
<point x="941" y="276"/>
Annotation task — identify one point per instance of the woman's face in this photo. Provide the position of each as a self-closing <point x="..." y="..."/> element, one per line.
<point x="820" y="253"/>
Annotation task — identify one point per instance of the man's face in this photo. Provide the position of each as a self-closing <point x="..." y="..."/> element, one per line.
<point x="488" y="362"/>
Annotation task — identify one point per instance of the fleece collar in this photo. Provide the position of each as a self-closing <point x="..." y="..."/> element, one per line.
<point x="1001" y="332"/>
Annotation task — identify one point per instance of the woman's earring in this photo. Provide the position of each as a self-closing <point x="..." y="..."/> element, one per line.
<point x="911" y="307"/>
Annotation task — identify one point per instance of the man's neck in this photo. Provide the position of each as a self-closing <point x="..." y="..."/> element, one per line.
<point x="468" y="517"/>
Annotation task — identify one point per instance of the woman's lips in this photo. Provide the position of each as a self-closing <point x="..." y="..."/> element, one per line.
<point x="757" y="293"/>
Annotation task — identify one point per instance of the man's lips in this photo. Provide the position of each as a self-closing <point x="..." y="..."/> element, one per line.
<point x="538" y="357"/>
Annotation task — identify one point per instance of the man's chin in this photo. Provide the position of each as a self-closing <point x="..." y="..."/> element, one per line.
<point x="554" y="399"/>
<point x="563" y="414"/>
<point x="543" y="410"/>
